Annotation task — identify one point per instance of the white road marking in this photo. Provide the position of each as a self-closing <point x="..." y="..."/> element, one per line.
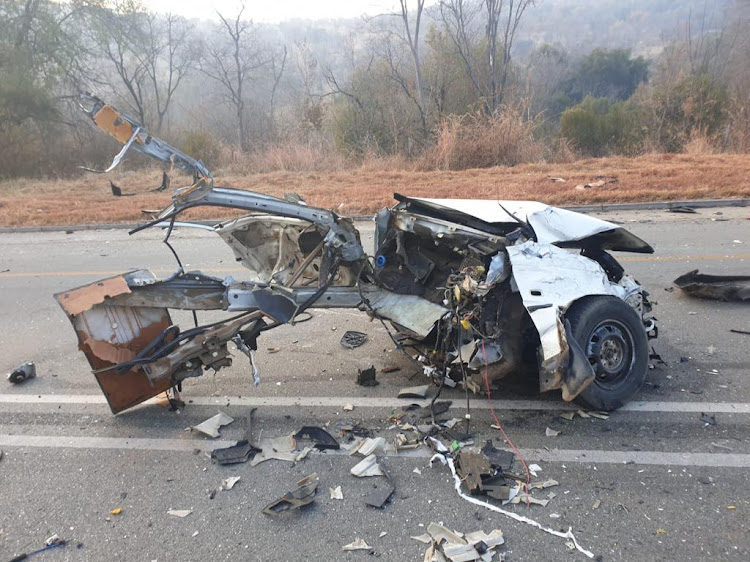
<point x="727" y="460"/>
<point x="477" y="403"/>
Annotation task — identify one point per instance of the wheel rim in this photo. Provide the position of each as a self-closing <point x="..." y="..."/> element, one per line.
<point x="609" y="350"/>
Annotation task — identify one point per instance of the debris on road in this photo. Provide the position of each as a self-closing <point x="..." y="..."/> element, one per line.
<point x="414" y="392"/>
<point x="568" y="415"/>
<point x="282" y="448"/>
<point x="22" y="373"/>
<point x="390" y="369"/>
<point x="549" y="432"/>
<point x="735" y="331"/>
<point x="241" y="452"/>
<point x="366" y="377"/>
<point x="379" y="497"/>
<point x="370" y="446"/>
<point x="445" y="544"/>
<point x="212" y="425"/>
<point x="321" y="439"/>
<point x="301" y="496"/>
<point x="682" y="209"/>
<point x="708" y="419"/>
<point x="716" y="287"/>
<point x="348" y="407"/>
<point x="116" y="511"/>
<point x="52" y="542"/>
<point x="352" y="339"/>
<point x="179" y="512"/>
<point x="228" y="483"/>
<point x="358" y="544"/>
<point x="336" y="493"/>
<point x="367" y="467"/>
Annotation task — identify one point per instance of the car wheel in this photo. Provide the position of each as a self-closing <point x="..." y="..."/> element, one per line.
<point x="612" y="336"/>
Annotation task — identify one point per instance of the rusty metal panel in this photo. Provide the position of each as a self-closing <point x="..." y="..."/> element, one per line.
<point x="109" y="334"/>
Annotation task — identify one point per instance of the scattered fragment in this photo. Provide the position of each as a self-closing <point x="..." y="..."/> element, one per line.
<point x="735" y="331"/>
<point x="446" y="545"/>
<point x="598" y="415"/>
<point x="179" y="512"/>
<point x="709" y="419"/>
<point x="731" y="507"/>
<point x="721" y="446"/>
<point x="716" y="287"/>
<point x="22" y="373"/>
<point x="320" y="437"/>
<point x="336" y="493"/>
<point x="520" y="518"/>
<point x="352" y="339"/>
<point x="370" y="446"/>
<point x="583" y="414"/>
<point x="282" y="448"/>
<point x="425" y="538"/>
<point x="549" y="483"/>
<point x="568" y="415"/>
<point x="116" y="511"/>
<point x="367" y="467"/>
<point x="498" y="458"/>
<point x="358" y="544"/>
<point x="596" y="505"/>
<point x="661" y="531"/>
<point x="417" y="471"/>
<point x="211" y="426"/>
<point x="195" y="534"/>
<point x="414" y="392"/>
<point x="301" y="496"/>
<point x="348" y="407"/>
<point x="273" y="349"/>
<point x="682" y="209"/>
<point x="382" y="534"/>
<point x="549" y="432"/>
<point x="390" y="369"/>
<point x="556" y="180"/>
<point x="240" y="452"/>
<point x="534" y="469"/>
<point x="228" y="483"/>
<point x="366" y="377"/>
<point x="380" y="496"/>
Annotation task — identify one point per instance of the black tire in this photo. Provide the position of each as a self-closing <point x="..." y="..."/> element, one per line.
<point x="613" y="337"/>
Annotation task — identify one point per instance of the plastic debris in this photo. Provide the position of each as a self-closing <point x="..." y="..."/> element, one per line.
<point x="358" y="544"/>
<point x="568" y="415"/>
<point x="370" y="446"/>
<point x="520" y="518"/>
<point x="242" y="451"/>
<point x="352" y="339"/>
<point x="534" y="469"/>
<point x="549" y="432"/>
<point x="301" y="496"/>
<point x="445" y="544"/>
<point x="348" y="407"/>
<point x="212" y="425"/>
<point x="179" y="512"/>
<point x="320" y="437"/>
<point x="382" y="534"/>
<point x="597" y="503"/>
<point x="708" y="419"/>
<point x="379" y="497"/>
<point x="414" y="392"/>
<point x="367" y="467"/>
<point x="417" y="471"/>
<point x="282" y="448"/>
<point x="228" y="483"/>
<point x="366" y="377"/>
<point x="116" y="511"/>
<point x="22" y="373"/>
<point x="336" y="493"/>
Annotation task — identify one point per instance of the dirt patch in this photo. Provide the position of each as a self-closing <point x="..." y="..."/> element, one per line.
<point x="656" y="177"/>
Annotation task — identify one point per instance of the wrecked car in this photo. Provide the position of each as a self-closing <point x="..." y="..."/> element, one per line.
<point x="478" y="289"/>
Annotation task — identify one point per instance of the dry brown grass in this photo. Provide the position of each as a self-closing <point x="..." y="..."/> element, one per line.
<point x="655" y="177"/>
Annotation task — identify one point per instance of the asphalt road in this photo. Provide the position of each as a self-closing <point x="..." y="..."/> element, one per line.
<point x="667" y="486"/>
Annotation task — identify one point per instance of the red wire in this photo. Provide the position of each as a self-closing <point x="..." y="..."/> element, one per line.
<point x="497" y="421"/>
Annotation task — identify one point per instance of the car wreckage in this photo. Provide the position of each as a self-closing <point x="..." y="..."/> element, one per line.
<point x="477" y="289"/>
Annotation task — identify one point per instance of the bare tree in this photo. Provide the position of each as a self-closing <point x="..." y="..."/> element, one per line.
<point x="231" y="61"/>
<point x="412" y="39"/>
<point x="500" y="19"/>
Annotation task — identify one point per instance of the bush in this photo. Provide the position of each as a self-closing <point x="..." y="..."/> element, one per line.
<point x="598" y="127"/>
<point x="477" y="140"/>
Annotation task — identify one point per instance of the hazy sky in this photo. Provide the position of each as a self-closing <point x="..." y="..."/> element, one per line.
<point x="275" y="10"/>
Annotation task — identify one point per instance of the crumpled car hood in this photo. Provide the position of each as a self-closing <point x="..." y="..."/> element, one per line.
<point x="552" y="225"/>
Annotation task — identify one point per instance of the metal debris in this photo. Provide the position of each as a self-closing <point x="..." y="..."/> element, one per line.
<point x="366" y="377"/>
<point x="212" y="425"/>
<point x="352" y="339"/>
<point x="22" y="373"/>
<point x="301" y="496"/>
<point x="336" y="493"/>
